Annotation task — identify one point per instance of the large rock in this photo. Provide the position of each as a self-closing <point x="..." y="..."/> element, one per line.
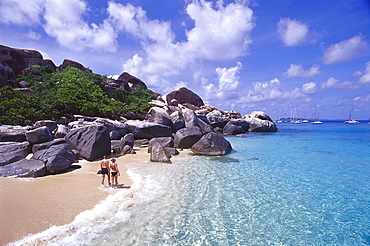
<point x="13" y="151"/>
<point x="205" y="109"/>
<point x="184" y="95"/>
<point x="13" y="58"/>
<point x="92" y="142"/>
<point x="204" y="127"/>
<point x="113" y="126"/>
<point x="24" y="168"/>
<point x="148" y="130"/>
<point x="190" y="118"/>
<point x="39" y="135"/>
<point x="79" y="123"/>
<point x="67" y="62"/>
<point x="46" y="145"/>
<point x="258" y="125"/>
<point x="217" y="119"/>
<point x="61" y="132"/>
<point x="128" y="139"/>
<point x="159" y="154"/>
<point x="237" y="126"/>
<point x="212" y="144"/>
<point x="258" y="114"/>
<point x="128" y="150"/>
<point x="114" y="145"/>
<point x="260" y="122"/>
<point x="7" y="76"/>
<point x="132" y="81"/>
<point x="13" y="133"/>
<point x="164" y="141"/>
<point x="159" y="116"/>
<point x="57" y="158"/>
<point x="51" y="124"/>
<point x="233" y="130"/>
<point x="186" y="137"/>
<point x="178" y="120"/>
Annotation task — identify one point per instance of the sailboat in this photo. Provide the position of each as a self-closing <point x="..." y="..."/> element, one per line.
<point x="350" y="120"/>
<point x="295" y="119"/>
<point x="316" y="118"/>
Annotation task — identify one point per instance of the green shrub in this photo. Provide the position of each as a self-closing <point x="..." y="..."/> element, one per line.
<point x="66" y="93"/>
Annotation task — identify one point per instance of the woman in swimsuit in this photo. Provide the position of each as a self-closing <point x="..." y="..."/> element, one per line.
<point x="104" y="165"/>
<point x="114" y="172"/>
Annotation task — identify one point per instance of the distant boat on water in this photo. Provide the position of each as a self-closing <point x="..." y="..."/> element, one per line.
<point x="316" y="121"/>
<point x="295" y="120"/>
<point x="350" y="120"/>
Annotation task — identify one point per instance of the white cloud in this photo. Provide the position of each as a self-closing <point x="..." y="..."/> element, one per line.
<point x="309" y="88"/>
<point x="20" y="12"/>
<point x="365" y="78"/>
<point x="228" y="78"/>
<point x="265" y="91"/>
<point x="292" y="32"/>
<point x="363" y="100"/>
<point x="63" y="21"/>
<point x="344" y="51"/>
<point x="33" y="35"/>
<point x="333" y="83"/>
<point x="296" y="71"/>
<point x="133" y="64"/>
<point x="219" y="33"/>
<point x="133" y="20"/>
<point x="228" y="83"/>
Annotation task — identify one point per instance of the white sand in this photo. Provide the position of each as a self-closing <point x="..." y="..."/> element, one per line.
<point x="29" y="206"/>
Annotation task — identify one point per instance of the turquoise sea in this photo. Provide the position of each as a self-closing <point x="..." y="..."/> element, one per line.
<point x="304" y="185"/>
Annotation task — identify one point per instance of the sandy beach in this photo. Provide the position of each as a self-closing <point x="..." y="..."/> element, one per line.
<point x="32" y="205"/>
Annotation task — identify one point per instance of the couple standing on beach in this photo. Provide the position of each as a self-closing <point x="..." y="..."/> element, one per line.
<point x="107" y="167"/>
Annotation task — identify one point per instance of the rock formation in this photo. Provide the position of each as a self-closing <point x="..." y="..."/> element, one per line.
<point x="177" y="120"/>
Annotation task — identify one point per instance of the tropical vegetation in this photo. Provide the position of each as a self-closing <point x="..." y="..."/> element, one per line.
<point x="67" y="93"/>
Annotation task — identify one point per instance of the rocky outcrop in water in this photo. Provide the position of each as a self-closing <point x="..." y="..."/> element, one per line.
<point x="213" y="144"/>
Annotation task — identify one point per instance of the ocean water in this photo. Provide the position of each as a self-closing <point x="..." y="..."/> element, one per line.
<point x="304" y="185"/>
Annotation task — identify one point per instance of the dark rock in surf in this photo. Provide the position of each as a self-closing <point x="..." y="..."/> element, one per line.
<point x="212" y="144"/>
<point x="164" y="142"/>
<point x="159" y="154"/>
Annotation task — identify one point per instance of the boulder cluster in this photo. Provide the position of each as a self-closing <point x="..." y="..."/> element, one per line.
<point x="20" y="61"/>
<point x="15" y="62"/>
<point x="50" y="147"/>
<point x="178" y="120"/>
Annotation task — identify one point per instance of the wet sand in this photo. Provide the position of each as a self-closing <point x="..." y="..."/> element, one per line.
<point x="32" y="205"/>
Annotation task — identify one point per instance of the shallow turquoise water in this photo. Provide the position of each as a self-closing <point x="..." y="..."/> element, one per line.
<point x="304" y="185"/>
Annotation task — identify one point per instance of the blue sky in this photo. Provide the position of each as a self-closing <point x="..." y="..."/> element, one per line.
<point x="280" y="56"/>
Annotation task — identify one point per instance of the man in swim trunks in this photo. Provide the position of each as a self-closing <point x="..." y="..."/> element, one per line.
<point x="114" y="171"/>
<point x="104" y="165"/>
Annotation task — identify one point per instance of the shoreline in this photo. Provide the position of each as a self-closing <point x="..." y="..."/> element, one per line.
<point x="32" y="205"/>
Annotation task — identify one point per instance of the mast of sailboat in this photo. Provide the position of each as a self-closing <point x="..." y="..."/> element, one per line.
<point x="350" y="111"/>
